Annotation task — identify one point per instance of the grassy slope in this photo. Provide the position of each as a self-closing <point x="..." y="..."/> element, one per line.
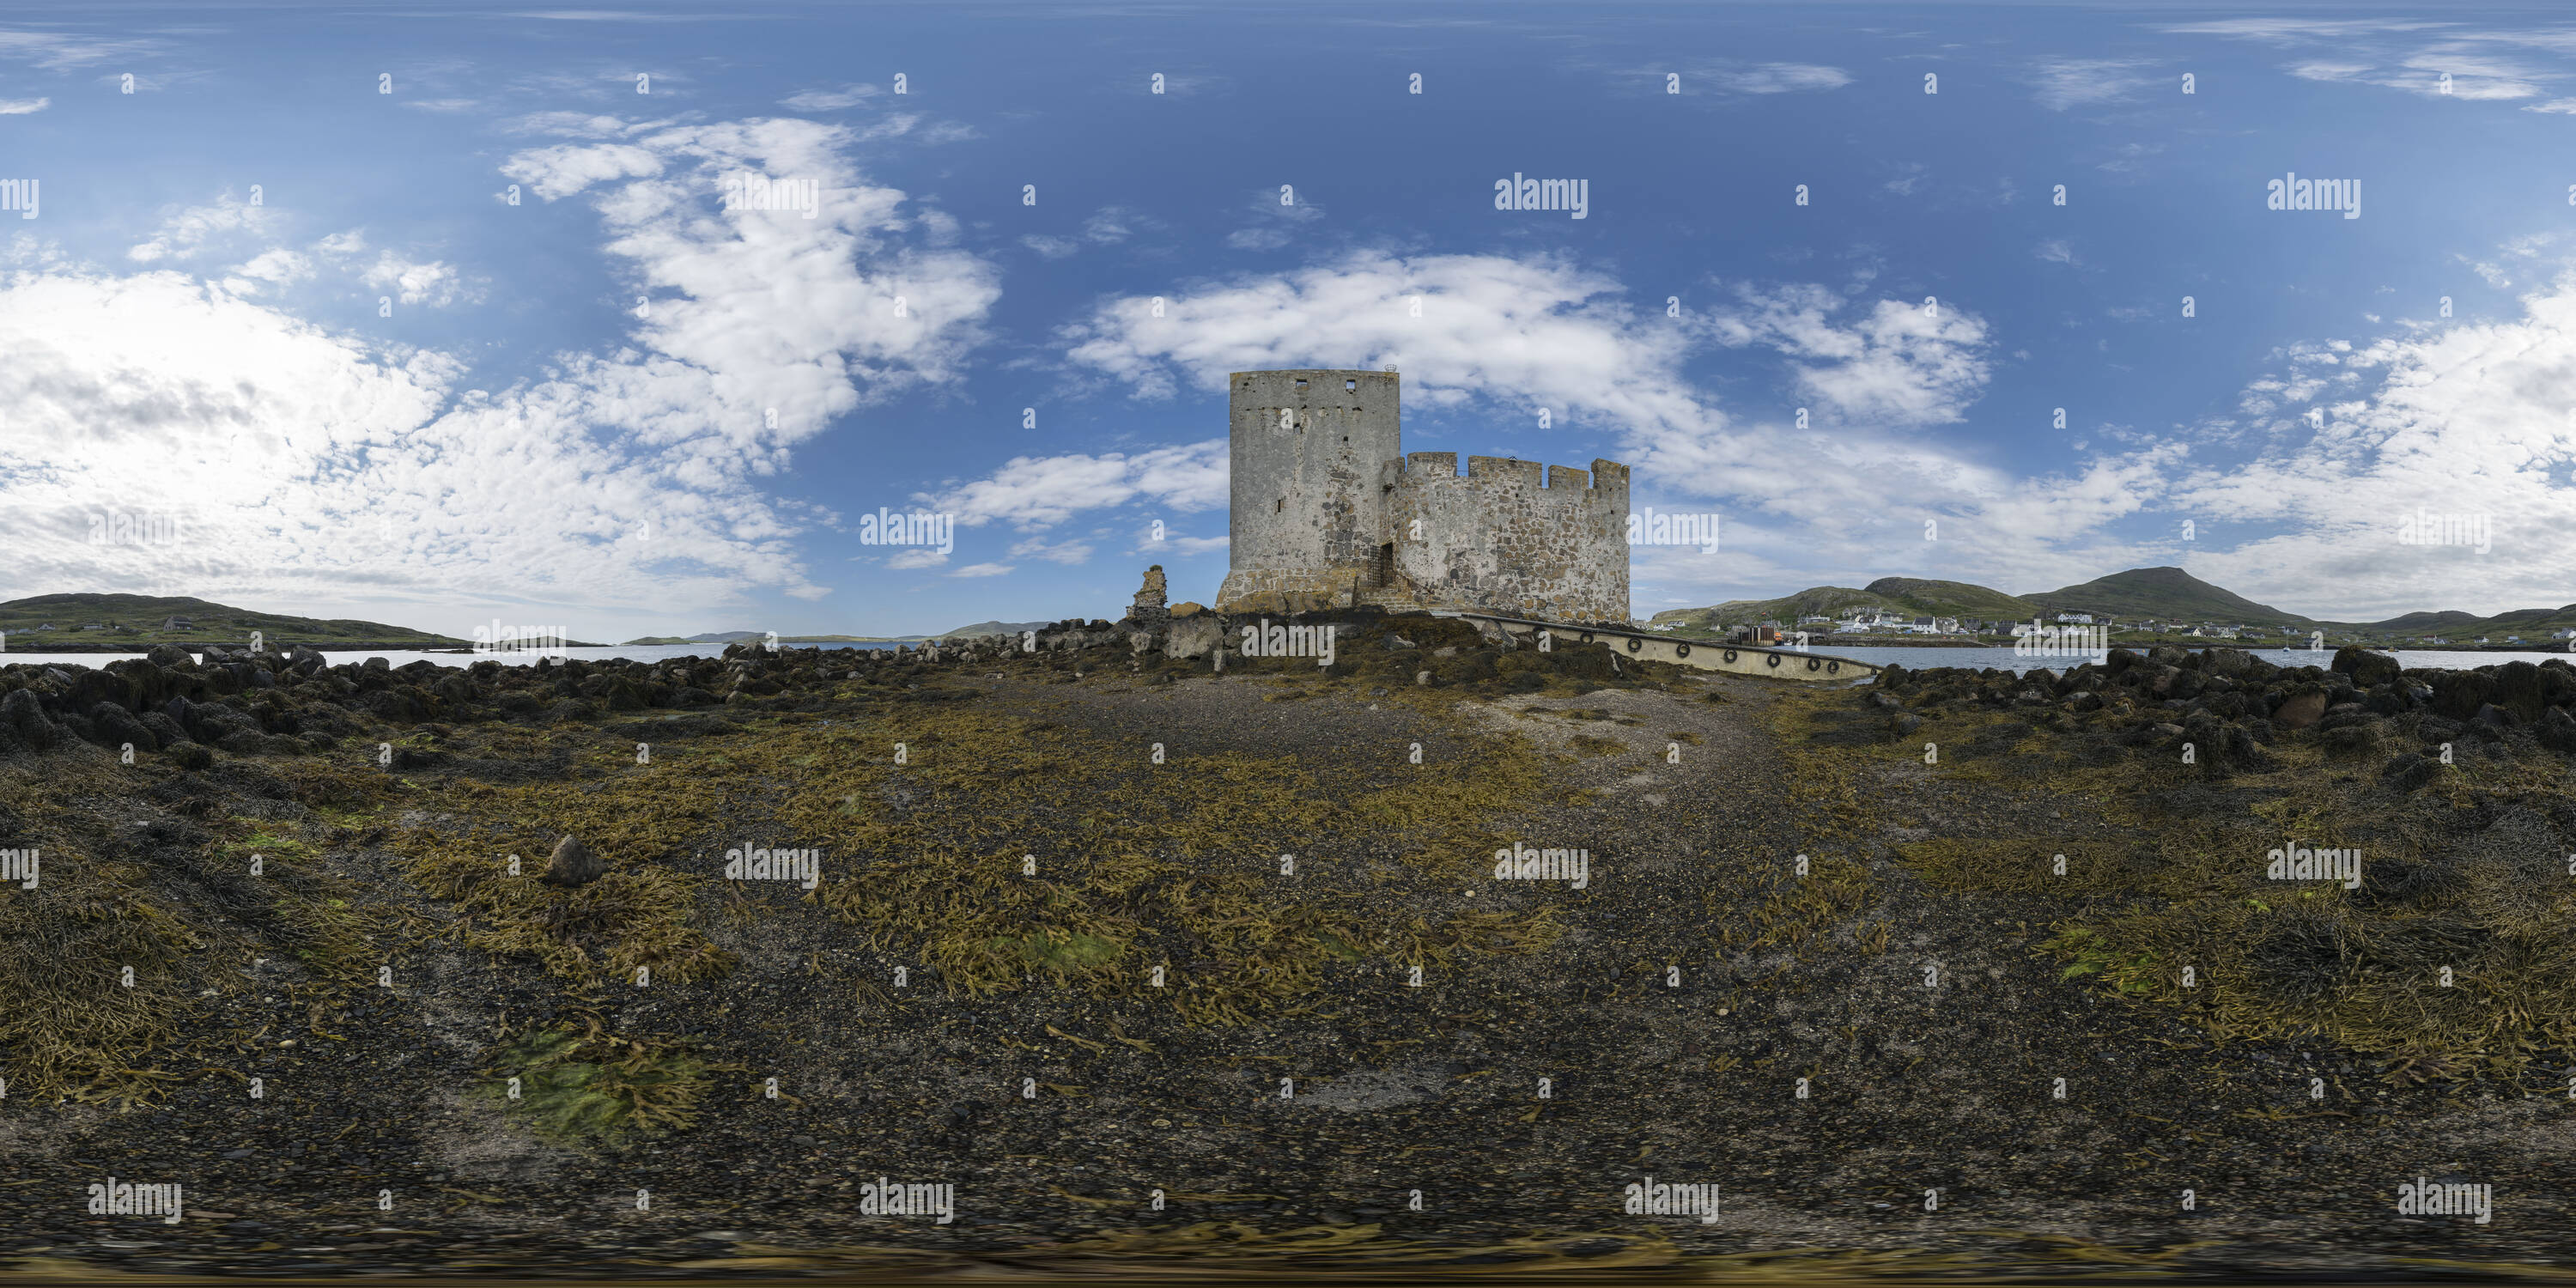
<point x="218" y="622"/>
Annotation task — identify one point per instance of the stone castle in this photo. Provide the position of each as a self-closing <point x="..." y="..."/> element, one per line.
<point x="1330" y="513"/>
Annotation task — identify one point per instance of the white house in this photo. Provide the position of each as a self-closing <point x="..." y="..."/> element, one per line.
<point x="2075" y="619"/>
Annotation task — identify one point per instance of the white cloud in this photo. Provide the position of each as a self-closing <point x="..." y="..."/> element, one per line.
<point x="2559" y="106"/>
<point x="1783" y="78"/>
<point x="55" y="52"/>
<point x="2469" y="419"/>
<point x="765" y="309"/>
<point x="830" y="100"/>
<point x="1533" y="332"/>
<point x="2086" y="82"/>
<point x="1063" y="552"/>
<point x="1896" y="364"/>
<point x="916" y="557"/>
<point x="2492" y="274"/>
<point x="276" y="266"/>
<point x="982" y="570"/>
<point x="311" y="469"/>
<point x="442" y="104"/>
<point x="23" y="106"/>
<point x="1257" y="238"/>
<point x="557" y="172"/>
<point x="1034" y="492"/>
<point x="2433" y="75"/>
<point x="185" y="231"/>
<point x="433" y="284"/>
<point x="1051" y="247"/>
<point x="1727" y="78"/>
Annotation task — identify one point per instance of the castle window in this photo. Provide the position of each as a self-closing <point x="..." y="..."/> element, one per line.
<point x="1279" y="506"/>
<point x="1301" y="384"/>
<point x="1350" y="384"/>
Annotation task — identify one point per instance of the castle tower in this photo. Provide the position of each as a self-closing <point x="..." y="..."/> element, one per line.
<point x="1308" y="525"/>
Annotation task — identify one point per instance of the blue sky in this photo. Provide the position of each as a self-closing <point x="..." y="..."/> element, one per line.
<point x="301" y="317"/>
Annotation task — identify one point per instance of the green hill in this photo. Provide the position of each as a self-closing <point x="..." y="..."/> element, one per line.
<point x="1953" y="599"/>
<point x="1909" y="596"/>
<point x="2163" y="594"/>
<point x="135" y="622"/>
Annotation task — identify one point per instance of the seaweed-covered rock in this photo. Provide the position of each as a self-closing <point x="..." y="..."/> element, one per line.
<point x="2364" y="667"/>
<point x="2407" y="771"/>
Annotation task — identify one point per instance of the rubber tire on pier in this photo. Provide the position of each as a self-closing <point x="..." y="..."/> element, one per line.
<point x="1730" y="655"/>
<point x="1815" y="663"/>
<point x="1681" y="650"/>
<point x="1636" y="645"/>
<point x="1833" y="668"/>
<point x="1772" y="661"/>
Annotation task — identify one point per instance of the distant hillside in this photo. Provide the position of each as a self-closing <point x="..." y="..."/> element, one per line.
<point x="2164" y="594"/>
<point x="1954" y="599"/>
<point x="137" y="621"/>
<point x="1909" y="596"/>
<point x="995" y="628"/>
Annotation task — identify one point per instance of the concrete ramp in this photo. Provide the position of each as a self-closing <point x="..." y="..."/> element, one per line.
<point x="1701" y="655"/>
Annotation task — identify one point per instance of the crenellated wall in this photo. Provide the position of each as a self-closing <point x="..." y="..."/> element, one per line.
<point x="1511" y="537"/>
<point x="1328" y="513"/>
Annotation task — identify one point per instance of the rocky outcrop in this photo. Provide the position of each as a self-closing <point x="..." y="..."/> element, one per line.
<point x="2229" y="705"/>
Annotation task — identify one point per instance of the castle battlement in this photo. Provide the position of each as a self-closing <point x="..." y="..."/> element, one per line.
<point x="1328" y="512"/>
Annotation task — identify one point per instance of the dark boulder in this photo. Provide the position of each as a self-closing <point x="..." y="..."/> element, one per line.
<point x="114" y="726"/>
<point x="573" y="863"/>
<point x="2301" y="709"/>
<point x="2364" y="667"/>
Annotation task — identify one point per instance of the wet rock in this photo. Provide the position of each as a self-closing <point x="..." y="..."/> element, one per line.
<point x="2557" y="730"/>
<point x="169" y="655"/>
<point x="2234" y="663"/>
<point x="2300" y="710"/>
<point x="114" y="726"/>
<point x="188" y="755"/>
<point x="2363" y="667"/>
<point x="573" y="863"/>
<point x="24" y="714"/>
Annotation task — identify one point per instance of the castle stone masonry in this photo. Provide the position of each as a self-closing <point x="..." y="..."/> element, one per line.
<point x="1330" y="513"/>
